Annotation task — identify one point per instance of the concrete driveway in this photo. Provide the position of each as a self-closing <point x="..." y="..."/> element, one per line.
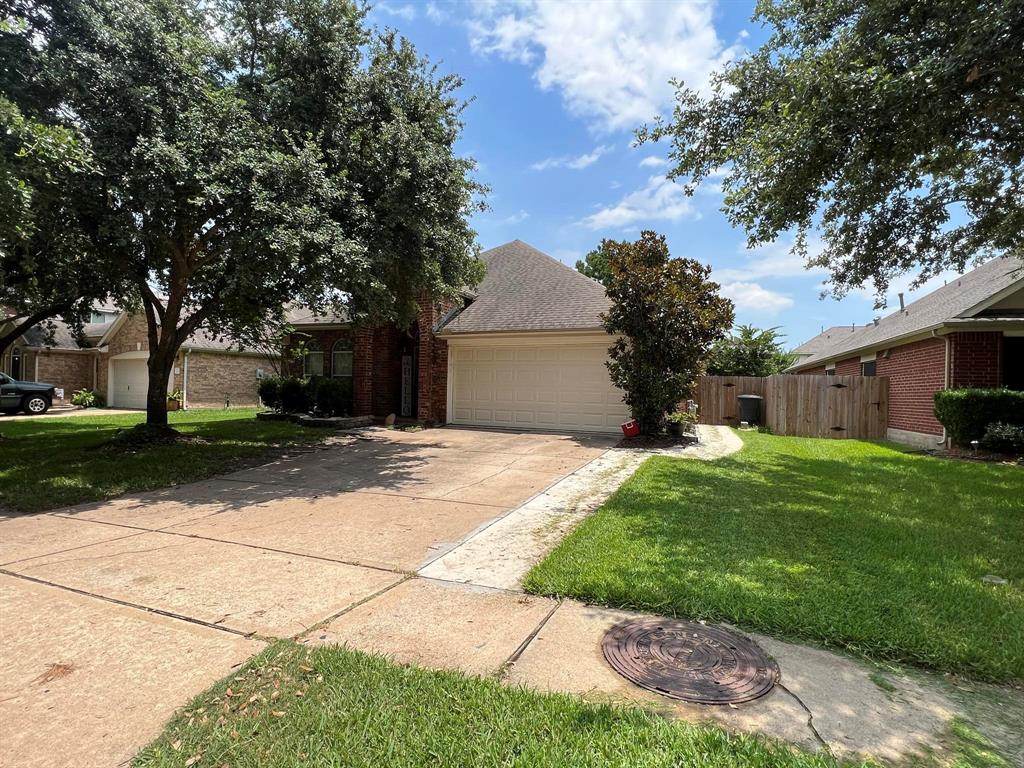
<point x="113" y="614"/>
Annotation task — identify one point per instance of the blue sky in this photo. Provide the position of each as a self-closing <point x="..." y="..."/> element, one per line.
<point x="558" y="88"/>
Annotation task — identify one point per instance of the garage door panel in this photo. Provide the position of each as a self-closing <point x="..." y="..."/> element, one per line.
<point x="552" y="386"/>
<point x="129" y="383"/>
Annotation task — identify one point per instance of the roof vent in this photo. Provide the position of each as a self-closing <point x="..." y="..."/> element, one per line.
<point x="875" y="321"/>
<point x="901" y="301"/>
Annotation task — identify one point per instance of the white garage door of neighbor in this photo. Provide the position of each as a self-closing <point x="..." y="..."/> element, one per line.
<point x="535" y="387"/>
<point x="129" y="380"/>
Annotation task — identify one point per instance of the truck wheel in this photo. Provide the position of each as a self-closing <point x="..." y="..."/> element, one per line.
<point x="35" y="405"/>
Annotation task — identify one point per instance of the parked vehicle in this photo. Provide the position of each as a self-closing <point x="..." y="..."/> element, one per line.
<point x="32" y="397"/>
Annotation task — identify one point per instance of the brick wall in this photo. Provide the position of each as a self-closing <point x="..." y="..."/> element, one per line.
<point x="132" y="336"/>
<point x="916" y="372"/>
<point x="975" y="359"/>
<point x="215" y="377"/>
<point x="819" y="371"/>
<point x="432" y="398"/>
<point x="69" y="371"/>
<point x="848" y="367"/>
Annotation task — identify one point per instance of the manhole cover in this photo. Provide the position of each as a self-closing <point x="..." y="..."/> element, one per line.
<point x="690" y="661"/>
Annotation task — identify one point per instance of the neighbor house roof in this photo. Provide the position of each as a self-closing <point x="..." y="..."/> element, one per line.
<point x="301" y="316"/>
<point x="954" y="303"/>
<point x="823" y="340"/>
<point x="39" y="336"/>
<point x="526" y="290"/>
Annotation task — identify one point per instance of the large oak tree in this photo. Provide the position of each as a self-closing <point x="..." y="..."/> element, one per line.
<point x="893" y="127"/>
<point x="251" y="153"/>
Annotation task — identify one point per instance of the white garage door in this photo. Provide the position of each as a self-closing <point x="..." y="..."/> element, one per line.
<point x="559" y="387"/>
<point x="129" y="380"/>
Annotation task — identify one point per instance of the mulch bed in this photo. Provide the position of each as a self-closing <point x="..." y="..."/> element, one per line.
<point x="967" y="454"/>
<point x="654" y="442"/>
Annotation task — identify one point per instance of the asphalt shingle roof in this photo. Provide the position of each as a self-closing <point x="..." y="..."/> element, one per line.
<point x="527" y="290"/>
<point x="823" y="340"/>
<point x="942" y="305"/>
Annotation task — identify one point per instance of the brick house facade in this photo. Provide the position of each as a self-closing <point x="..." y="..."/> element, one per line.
<point x="969" y="333"/>
<point x="386" y="362"/>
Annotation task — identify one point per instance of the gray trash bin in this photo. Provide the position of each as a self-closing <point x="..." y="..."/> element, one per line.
<point x="750" y="408"/>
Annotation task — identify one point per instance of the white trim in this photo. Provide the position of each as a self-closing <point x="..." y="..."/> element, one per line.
<point x="545" y="338"/>
<point x="118" y="322"/>
<point x="449" y="408"/>
<point x="134" y="355"/>
<point x="830" y="366"/>
<point x="869" y="358"/>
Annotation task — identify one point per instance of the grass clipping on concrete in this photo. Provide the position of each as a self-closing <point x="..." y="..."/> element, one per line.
<point x="299" y="706"/>
<point x="846" y="543"/>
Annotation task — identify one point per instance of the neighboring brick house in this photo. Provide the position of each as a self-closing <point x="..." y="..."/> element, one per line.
<point x="968" y="333"/>
<point x="112" y="361"/>
<point x="525" y="350"/>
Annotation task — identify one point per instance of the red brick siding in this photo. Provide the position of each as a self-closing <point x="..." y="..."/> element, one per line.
<point x="916" y="372"/>
<point x="848" y="367"/>
<point x="432" y="397"/>
<point x="69" y="371"/>
<point x="975" y="359"/>
<point x="216" y="378"/>
<point x="819" y="371"/>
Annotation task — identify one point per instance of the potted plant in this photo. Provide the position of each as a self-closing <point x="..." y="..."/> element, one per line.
<point x="174" y="400"/>
<point x="681" y="423"/>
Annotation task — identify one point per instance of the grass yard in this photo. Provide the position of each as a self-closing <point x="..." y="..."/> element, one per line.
<point x="51" y="462"/>
<point x="294" y="705"/>
<point x="845" y="543"/>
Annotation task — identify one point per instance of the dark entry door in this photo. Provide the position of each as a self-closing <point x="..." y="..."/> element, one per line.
<point x="1013" y="362"/>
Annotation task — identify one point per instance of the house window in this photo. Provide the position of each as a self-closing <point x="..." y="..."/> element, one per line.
<point x="16" y="364"/>
<point x="868" y="368"/>
<point x="341" y="359"/>
<point x="101" y="317"/>
<point x="313" y="362"/>
<point x="830" y="371"/>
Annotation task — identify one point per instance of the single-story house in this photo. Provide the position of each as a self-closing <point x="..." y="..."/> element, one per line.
<point x="111" y="360"/>
<point x="968" y="333"/>
<point x="524" y="349"/>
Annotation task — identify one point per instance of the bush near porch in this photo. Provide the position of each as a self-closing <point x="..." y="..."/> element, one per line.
<point x="967" y="413"/>
<point x="850" y="544"/>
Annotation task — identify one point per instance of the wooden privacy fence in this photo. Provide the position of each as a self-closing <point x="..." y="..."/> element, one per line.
<point x="800" y="405"/>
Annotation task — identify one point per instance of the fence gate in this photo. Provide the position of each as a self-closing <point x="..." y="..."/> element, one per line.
<point x="802" y="405"/>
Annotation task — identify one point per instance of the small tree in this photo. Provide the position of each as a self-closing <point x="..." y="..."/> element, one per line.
<point x="594" y="266"/>
<point x="749" y="352"/>
<point x="667" y="314"/>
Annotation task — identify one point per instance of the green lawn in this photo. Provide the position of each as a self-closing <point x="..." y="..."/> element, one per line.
<point x="52" y="462"/>
<point x="293" y="706"/>
<point x="845" y="543"/>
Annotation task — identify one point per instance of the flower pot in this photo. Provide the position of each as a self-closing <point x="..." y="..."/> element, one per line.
<point x="675" y="428"/>
<point x="173" y="405"/>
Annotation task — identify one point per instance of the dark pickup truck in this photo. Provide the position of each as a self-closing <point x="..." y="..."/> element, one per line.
<point x="28" y="396"/>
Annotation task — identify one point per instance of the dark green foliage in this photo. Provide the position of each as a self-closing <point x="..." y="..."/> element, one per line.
<point x="966" y="413"/>
<point x="595" y="266"/>
<point x="1003" y="438"/>
<point x="294" y="395"/>
<point x="892" y="128"/>
<point x="333" y="397"/>
<point x="270" y="392"/>
<point x="667" y="314"/>
<point x="749" y="352"/>
<point x="251" y="153"/>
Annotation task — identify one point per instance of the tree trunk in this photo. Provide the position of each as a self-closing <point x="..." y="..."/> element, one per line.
<point x="160" y="362"/>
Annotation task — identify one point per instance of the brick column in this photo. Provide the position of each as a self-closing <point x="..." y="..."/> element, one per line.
<point x="362" y="372"/>
<point x="432" y="395"/>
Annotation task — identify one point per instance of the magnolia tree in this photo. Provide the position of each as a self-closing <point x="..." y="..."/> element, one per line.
<point x="890" y="129"/>
<point x="667" y="313"/>
<point x="250" y="153"/>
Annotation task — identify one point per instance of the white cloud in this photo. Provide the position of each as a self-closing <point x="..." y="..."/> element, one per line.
<point x="659" y="200"/>
<point x="772" y="260"/>
<point x="653" y="162"/>
<point x="435" y="14"/>
<point x="753" y="298"/>
<point x="407" y="12"/>
<point x="611" y="62"/>
<point x="514" y="218"/>
<point x="574" y="163"/>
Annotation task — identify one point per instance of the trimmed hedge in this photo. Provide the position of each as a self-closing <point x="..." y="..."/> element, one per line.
<point x="967" y="413"/>
<point x="328" y="397"/>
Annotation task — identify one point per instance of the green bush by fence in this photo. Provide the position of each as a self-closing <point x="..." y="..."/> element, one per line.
<point x="967" y="413"/>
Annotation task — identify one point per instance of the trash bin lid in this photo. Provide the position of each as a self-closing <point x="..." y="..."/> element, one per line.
<point x="749" y="397"/>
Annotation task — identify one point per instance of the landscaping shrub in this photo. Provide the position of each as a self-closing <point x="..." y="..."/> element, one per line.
<point x="1003" y="438"/>
<point x="88" y="398"/>
<point x="333" y="397"/>
<point x="966" y="413"/>
<point x="293" y="395"/>
<point x="270" y="392"/>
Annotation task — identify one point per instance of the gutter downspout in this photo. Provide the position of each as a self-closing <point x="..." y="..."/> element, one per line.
<point x="945" y="381"/>
<point x="184" y="380"/>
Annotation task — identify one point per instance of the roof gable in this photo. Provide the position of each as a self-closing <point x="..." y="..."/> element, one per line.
<point x="527" y="290"/>
<point x="958" y="299"/>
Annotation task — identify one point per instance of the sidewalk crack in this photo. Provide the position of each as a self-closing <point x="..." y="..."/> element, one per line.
<point x="810" y="719"/>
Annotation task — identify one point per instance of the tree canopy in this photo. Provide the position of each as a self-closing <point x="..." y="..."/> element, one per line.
<point x="252" y="153"/>
<point x="749" y="351"/>
<point x="893" y="128"/>
<point x="595" y="266"/>
<point x="666" y="313"/>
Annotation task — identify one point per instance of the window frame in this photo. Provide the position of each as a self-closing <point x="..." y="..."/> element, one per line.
<point x="313" y="350"/>
<point x="342" y="347"/>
